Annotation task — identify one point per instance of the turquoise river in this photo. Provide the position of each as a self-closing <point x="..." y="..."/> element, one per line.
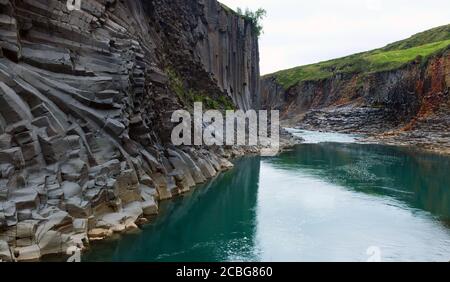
<point x="331" y="199"/>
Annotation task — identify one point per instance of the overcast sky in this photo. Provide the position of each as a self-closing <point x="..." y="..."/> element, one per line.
<point x="299" y="32"/>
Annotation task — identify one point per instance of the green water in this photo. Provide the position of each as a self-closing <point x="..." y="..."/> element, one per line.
<point x="318" y="202"/>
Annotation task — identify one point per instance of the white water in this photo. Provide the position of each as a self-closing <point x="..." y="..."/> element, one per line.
<point x="315" y="137"/>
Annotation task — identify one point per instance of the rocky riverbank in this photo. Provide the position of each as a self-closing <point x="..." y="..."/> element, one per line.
<point x="57" y="231"/>
<point x="391" y="103"/>
<point x="378" y="125"/>
<point x="86" y="98"/>
<point x="60" y="233"/>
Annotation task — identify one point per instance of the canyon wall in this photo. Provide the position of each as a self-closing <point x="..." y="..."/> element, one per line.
<point x="374" y="102"/>
<point x="231" y="53"/>
<point x="86" y="98"/>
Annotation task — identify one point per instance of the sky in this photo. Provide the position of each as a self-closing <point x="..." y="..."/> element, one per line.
<point x="301" y="32"/>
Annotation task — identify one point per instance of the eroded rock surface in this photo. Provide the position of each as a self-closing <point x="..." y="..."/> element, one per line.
<point x="85" y="104"/>
<point x="406" y="106"/>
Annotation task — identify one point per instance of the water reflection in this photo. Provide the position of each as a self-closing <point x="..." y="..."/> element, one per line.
<point x="318" y="202"/>
<point x="418" y="179"/>
<point x="331" y="202"/>
<point x="214" y="223"/>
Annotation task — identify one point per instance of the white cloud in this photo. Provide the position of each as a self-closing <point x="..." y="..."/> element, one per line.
<point x="299" y="32"/>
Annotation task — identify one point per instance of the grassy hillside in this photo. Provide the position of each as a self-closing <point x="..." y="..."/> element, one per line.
<point x="420" y="46"/>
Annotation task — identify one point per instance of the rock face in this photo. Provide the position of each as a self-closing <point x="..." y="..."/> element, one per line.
<point x="85" y="105"/>
<point x="231" y="53"/>
<point x="412" y="103"/>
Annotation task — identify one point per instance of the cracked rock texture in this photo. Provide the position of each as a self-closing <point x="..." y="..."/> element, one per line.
<point x="85" y="107"/>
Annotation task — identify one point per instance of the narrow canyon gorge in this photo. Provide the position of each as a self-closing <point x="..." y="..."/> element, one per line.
<point x="404" y="103"/>
<point x="86" y="102"/>
<point x="85" y="107"/>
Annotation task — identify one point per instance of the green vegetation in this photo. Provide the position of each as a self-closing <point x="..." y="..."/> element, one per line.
<point x="255" y="17"/>
<point x="430" y="36"/>
<point x="221" y="103"/>
<point x="419" y="47"/>
<point x="396" y="58"/>
<point x="176" y="83"/>
<point x="189" y="96"/>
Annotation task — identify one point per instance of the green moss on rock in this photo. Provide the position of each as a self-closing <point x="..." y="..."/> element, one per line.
<point x="189" y="96"/>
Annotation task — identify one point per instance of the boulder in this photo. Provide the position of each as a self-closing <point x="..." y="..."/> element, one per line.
<point x="226" y="164"/>
<point x="78" y="208"/>
<point x="18" y="127"/>
<point x="56" y="220"/>
<point x="30" y="253"/>
<point x="13" y="156"/>
<point x="148" y="192"/>
<point x="182" y="167"/>
<point x="164" y="191"/>
<point x="149" y="207"/>
<point x="146" y="180"/>
<point x="130" y="196"/>
<point x="73" y="141"/>
<point x="30" y="152"/>
<point x="42" y="122"/>
<point x="24" y="242"/>
<point x="127" y="185"/>
<point x="214" y="160"/>
<point x="74" y="170"/>
<point x="181" y="183"/>
<point x="120" y="221"/>
<point x="80" y="225"/>
<point x="54" y="149"/>
<point x="133" y="211"/>
<point x="49" y="118"/>
<point x="5" y="252"/>
<point x="26" y="229"/>
<point x="71" y="189"/>
<point x="50" y="243"/>
<point x="25" y="198"/>
<point x="114" y="126"/>
<point x="207" y="169"/>
<point x="127" y="180"/>
<point x="55" y="192"/>
<point x="23" y="215"/>
<point x="172" y="184"/>
<point x="23" y="138"/>
<point x="193" y="168"/>
<point x="99" y="234"/>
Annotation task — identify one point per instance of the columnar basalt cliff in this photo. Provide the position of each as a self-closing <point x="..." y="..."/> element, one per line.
<point x="409" y="104"/>
<point x="230" y="51"/>
<point x="86" y="98"/>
